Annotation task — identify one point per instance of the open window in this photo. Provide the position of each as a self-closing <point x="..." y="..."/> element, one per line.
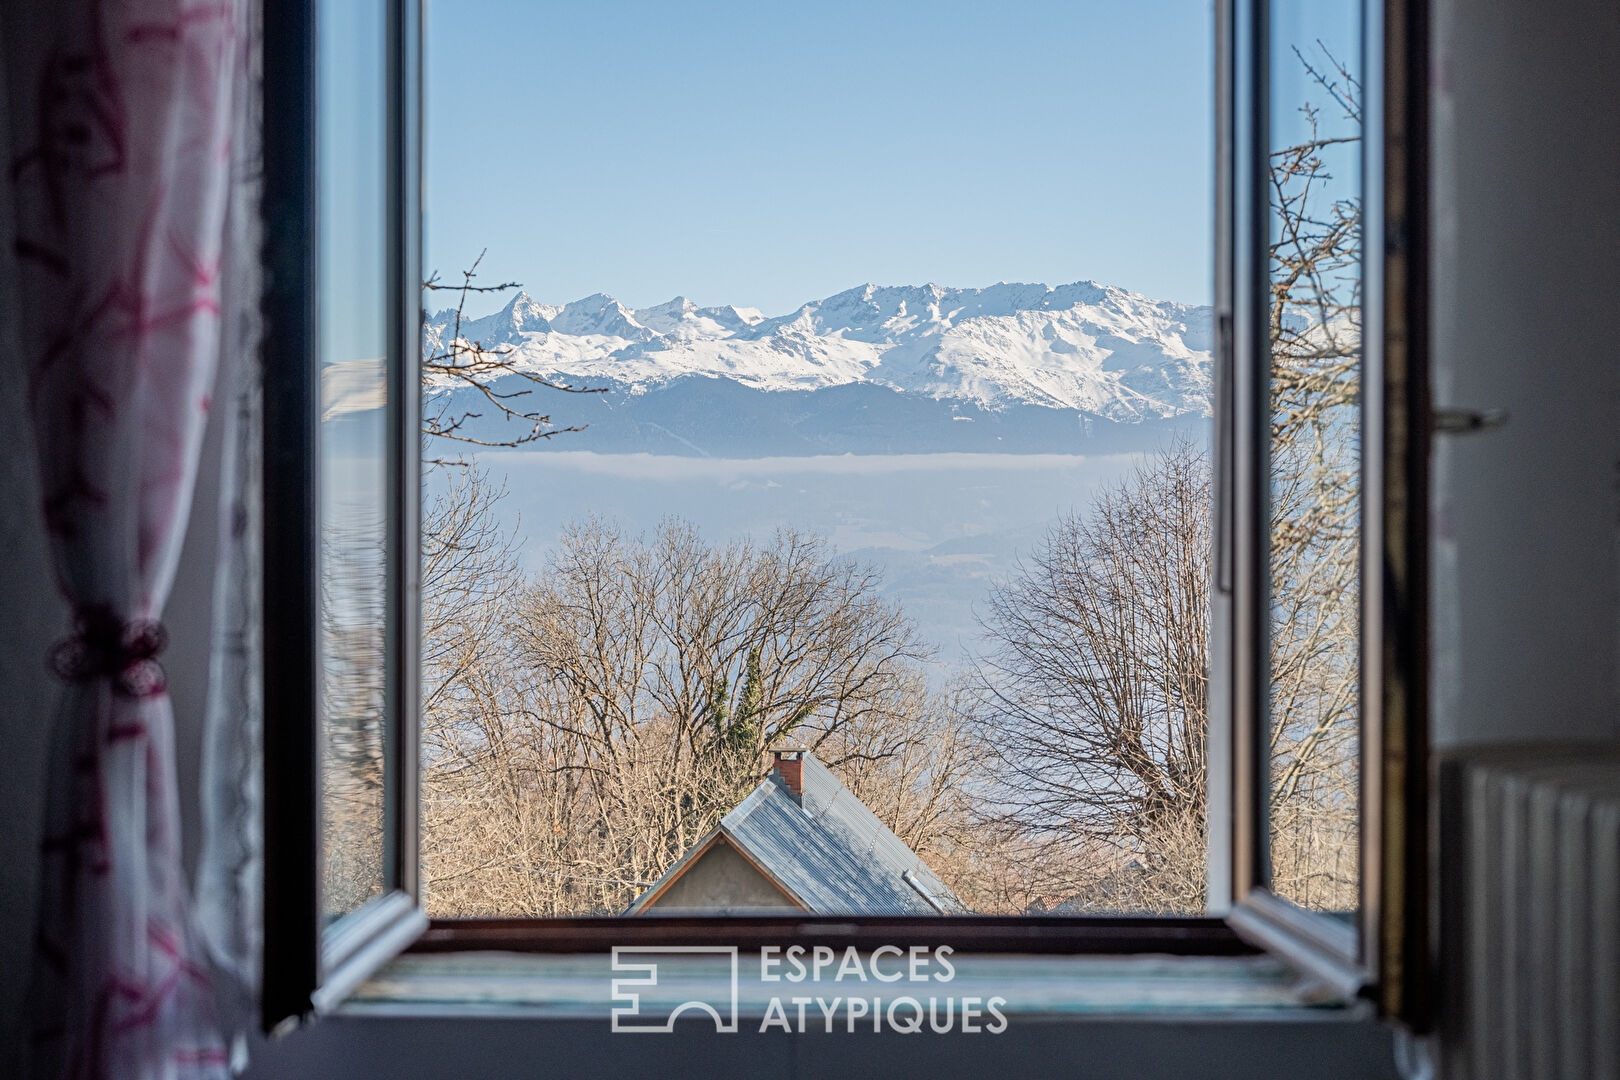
<point x="341" y="484"/>
<point x="1316" y="648"/>
<point x="1322" y="445"/>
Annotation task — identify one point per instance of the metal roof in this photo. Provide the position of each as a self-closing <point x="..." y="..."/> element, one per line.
<point x="827" y="850"/>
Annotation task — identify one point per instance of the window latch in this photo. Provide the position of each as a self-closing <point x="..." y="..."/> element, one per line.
<point x="1462" y="421"/>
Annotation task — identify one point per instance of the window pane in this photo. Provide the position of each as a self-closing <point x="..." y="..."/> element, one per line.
<point x="353" y="446"/>
<point x="1315" y="331"/>
<point x="844" y="489"/>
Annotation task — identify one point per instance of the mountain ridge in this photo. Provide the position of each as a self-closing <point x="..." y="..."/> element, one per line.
<point x="1097" y="350"/>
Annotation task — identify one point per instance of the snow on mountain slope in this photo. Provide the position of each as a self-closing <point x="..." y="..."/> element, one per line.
<point x="1097" y="349"/>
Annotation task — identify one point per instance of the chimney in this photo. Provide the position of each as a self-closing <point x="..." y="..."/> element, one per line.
<point x="788" y="768"/>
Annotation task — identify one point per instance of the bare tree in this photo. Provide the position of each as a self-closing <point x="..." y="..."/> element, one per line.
<point x="1315" y="338"/>
<point x="668" y="665"/>
<point x="454" y="367"/>
<point x="628" y="702"/>
<point x="486" y="770"/>
<point x="1095" y="691"/>
<point x="479" y="769"/>
<point x="1095" y="682"/>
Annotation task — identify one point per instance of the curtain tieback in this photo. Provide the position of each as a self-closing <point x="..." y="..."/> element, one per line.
<point x="104" y="646"/>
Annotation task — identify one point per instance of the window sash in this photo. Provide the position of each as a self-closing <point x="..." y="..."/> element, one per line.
<point x="1385" y="956"/>
<point x="308" y="967"/>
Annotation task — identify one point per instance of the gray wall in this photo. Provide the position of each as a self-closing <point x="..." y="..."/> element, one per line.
<point x="1526" y="189"/>
<point x="34" y="617"/>
<point x="1527" y="295"/>
<point x="470" y="1049"/>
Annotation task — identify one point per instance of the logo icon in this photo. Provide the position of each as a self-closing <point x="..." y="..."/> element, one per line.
<point x="659" y="1015"/>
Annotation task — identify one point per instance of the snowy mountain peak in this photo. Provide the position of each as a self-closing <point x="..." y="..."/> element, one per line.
<point x="1097" y="349"/>
<point x="665" y="317"/>
<point x="600" y="315"/>
<point x="524" y="313"/>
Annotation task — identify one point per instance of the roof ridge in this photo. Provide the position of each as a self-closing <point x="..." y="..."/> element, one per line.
<point x="835" y="857"/>
<point x="741" y="811"/>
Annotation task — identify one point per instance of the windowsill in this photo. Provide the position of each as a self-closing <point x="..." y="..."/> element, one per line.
<point x="579" y="987"/>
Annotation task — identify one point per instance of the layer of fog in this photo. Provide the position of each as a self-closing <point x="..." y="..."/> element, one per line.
<point x="941" y="526"/>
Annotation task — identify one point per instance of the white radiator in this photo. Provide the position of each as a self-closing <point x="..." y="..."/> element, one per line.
<point x="1532" y="925"/>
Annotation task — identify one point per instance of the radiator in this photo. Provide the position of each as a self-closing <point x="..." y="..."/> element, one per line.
<point x="1531" y="924"/>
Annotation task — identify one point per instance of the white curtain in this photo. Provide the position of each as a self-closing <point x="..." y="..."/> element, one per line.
<point x="125" y="164"/>
<point x="229" y="891"/>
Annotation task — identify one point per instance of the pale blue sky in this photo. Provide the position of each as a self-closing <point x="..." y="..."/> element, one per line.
<point x="765" y="154"/>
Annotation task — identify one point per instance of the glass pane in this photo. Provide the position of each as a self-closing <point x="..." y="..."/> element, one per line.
<point x="898" y="464"/>
<point x="353" y="446"/>
<point x="1315" y="319"/>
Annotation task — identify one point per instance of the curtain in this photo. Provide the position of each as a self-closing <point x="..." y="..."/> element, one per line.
<point x="123" y="147"/>
<point x="229" y="888"/>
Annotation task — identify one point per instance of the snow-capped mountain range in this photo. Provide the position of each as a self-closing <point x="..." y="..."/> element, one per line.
<point x="1095" y="350"/>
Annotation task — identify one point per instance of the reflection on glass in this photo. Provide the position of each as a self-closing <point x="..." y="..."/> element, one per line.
<point x="353" y="454"/>
<point x="1315" y="298"/>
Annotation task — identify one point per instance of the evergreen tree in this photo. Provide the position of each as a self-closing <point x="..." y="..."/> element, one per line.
<point x="719" y="706"/>
<point x="744" y="731"/>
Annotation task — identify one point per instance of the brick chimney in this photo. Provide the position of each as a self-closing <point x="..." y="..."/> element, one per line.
<point x="789" y="769"/>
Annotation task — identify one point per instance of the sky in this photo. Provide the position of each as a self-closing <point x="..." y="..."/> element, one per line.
<point x="765" y="154"/>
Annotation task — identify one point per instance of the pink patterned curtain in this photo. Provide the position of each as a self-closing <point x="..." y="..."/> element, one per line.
<point x="122" y="144"/>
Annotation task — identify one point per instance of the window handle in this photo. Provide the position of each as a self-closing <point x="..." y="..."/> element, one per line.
<point x="1224" y="491"/>
<point x="1462" y="421"/>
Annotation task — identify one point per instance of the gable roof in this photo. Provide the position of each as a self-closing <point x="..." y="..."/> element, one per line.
<point x="714" y="838"/>
<point x="826" y="850"/>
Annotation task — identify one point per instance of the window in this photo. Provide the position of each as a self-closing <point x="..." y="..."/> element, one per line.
<point x="1319" y="562"/>
<point x="1315" y="786"/>
<point x="341" y="483"/>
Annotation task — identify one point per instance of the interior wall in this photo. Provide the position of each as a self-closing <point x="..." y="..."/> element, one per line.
<point x="1526" y="298"/>
<point x="34" y="617"/>
<point x="474" y="1048"/>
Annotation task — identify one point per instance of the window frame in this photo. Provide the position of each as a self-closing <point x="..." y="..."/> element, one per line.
<point x="1385" y="956"/>
<point x="1051" y="934"/>
<point x="309" y="969"/>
